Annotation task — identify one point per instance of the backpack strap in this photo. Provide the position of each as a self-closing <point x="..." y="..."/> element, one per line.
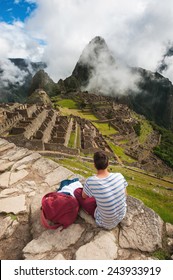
<point x="46" y="224"/>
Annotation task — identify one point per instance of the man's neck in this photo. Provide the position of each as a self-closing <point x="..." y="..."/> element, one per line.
<point x="102" y="173"/>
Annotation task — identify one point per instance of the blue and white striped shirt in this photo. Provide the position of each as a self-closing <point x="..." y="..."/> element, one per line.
<point x="110" y="197"/>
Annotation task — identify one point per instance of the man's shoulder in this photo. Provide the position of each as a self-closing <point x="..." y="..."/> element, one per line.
<point x="117" y="175"/>
<point x="91" y="178"/>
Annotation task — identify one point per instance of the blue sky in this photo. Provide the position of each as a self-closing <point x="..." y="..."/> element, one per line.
<point x="11" y="10"/>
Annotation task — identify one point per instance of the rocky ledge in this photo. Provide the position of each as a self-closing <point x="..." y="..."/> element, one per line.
<point x="25" y="176"/>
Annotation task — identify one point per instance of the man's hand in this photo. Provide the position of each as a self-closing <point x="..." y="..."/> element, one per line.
<point x="84" y="195"/>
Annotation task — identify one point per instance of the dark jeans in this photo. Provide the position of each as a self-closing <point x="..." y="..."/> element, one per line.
<point x="88" y="204"/>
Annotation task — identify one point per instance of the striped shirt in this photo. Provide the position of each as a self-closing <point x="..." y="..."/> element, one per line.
<point x="110" y="198"/>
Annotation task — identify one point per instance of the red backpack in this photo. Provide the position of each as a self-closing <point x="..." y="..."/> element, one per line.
<point x="59" y="209"/>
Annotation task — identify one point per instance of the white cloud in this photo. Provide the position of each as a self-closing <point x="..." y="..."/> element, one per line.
<point x="136" y="31"/>
<point x="11" y="73"/>
<point x="16" y="42"/>
<point x="17" y="2"/>
<point x="168" y="72"/>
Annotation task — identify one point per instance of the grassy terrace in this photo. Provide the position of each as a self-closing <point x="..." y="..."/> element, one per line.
<point x="71" y="143"/>
<point x="145" y="128"/>
<point x="119" y="151"/>
<point x="66" y="103"/>
<point x="105" y="129"/>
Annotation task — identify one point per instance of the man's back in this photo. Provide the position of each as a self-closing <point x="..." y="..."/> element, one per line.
<point x="110" y="196"/>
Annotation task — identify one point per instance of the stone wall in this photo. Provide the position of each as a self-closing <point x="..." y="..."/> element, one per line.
<point x="60" y="148"/>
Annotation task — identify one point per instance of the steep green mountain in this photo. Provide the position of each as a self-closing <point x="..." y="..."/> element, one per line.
<point x="41" y="80"/>
<point x="154" y="99"/>
<point x="151" y="94"/>
<point x="39" y="96"/>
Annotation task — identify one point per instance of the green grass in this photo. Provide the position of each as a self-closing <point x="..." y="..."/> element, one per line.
<point x="67" y="103"/>
<point x="160" y="203"/>
<point x="151" y="191"/>
<point x="145" y="131"/>
<point x="119" y="151"/>
<point x="78" y="140"/>
<point x="105" y="129"/>
<point x="72" y="140"/>
<point x="88" y="115"/>
<point x="82" y="114"/>
<point x="78" y="166"/>
<point x="161" y="255"/>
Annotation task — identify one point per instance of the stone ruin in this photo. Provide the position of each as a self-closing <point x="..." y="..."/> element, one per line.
<point x="39" y="127"/>
<point x="120" y="117"/>
<point x="91" y="139"/>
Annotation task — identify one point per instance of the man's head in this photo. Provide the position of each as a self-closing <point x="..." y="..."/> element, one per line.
<point x="101" y="160"/>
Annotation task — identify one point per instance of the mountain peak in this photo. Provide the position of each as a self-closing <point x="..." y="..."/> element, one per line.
<point x="98" y="40"/>
<point x="95" y="54"/>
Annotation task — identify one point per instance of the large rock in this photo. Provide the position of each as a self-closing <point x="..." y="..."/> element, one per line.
<point x="53" y="241"/>
<point x="141" y="228"/>
<point x="103" y="247"/>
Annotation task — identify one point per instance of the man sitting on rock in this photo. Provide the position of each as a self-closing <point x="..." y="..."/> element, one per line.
<point x="104" y="194"/>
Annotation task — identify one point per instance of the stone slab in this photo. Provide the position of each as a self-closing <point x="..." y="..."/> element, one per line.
<point x="103" y="247"/>
<point x="8" y="192"/>
<point x="56" y="176"/>
<point x="16" y="205"/>
<point x="5" y="165"/>
<point x="28" y="160"/>
<point x="44" y="166"/>
<point x="19" y="154"/>
<point x="4" y="179"/>
<point x="6" y="147"/>
<point x="17" y="176"/>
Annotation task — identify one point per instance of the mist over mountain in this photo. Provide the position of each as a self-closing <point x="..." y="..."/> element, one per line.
<point x="97" y="71"/>
<point x="148" y="93"/>
<point x="16" y="77"/>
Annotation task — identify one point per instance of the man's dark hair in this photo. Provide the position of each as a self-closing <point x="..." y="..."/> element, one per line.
<point x="101" y="160"/>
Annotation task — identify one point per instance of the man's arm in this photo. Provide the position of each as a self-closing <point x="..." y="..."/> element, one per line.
<point x="84" y="195"/>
